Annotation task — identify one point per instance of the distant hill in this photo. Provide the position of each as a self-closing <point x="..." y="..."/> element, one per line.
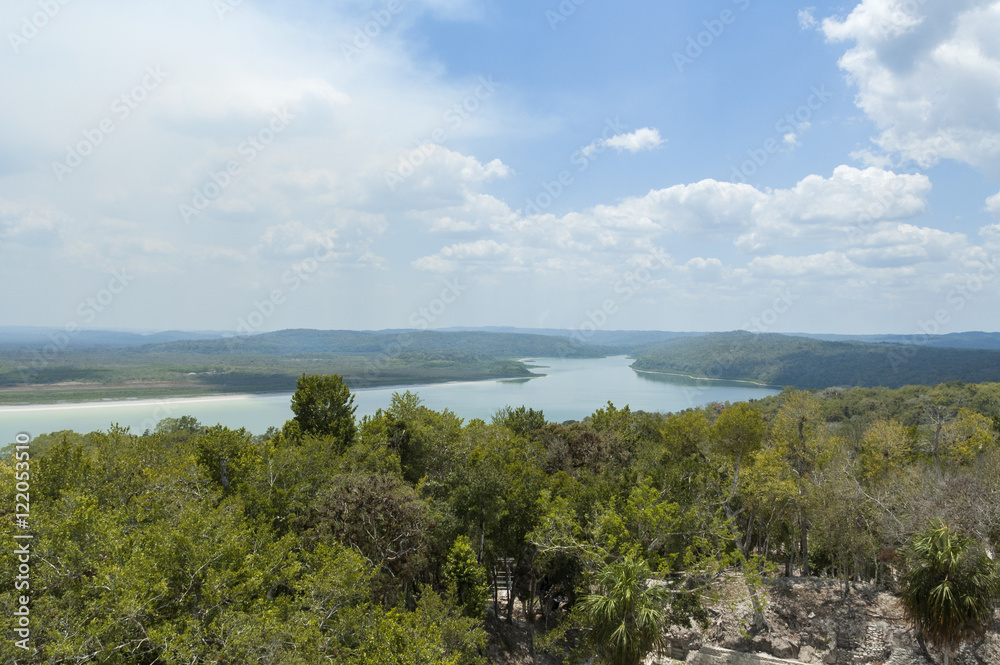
<point x="620" y="339"/>
<point x="29" y="337"/>
<point x="783" y="360"/>
<point x="355" y="343"/>
<point x="962" y="340"/>
<point x="269" y="362"/>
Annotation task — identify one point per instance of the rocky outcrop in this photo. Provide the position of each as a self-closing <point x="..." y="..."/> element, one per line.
<point x="811" y="621"/>
<point x="718" y="656"/>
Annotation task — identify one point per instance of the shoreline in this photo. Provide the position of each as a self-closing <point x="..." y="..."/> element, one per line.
<point x="225" y="397"/>
<point x="756" y="384"/>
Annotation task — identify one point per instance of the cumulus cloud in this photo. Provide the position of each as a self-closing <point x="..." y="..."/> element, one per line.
<point x="861" y="210"/>
<point x="296" y="240"/>
<point x="928" y="75"/>
<point x="827" y="265"/>
<point x="469" y="253"/>
<point x="892" y="245"/>
<point x="637" y="141"/>
<point x="993" y="204"/>
<point x="27" y="224"/>
<point x="825" y="208"/>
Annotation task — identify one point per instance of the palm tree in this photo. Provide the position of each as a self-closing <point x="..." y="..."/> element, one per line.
<point x="949" y="589"/>
<point x="626" y="615"/>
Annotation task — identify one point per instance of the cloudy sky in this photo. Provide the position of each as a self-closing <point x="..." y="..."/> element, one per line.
<point x="355" y="164"/>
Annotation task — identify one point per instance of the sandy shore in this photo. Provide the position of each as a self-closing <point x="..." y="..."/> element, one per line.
<point x="115" y="403"/>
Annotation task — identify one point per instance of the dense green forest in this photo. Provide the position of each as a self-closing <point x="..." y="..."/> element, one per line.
<point x="270" y="363"/>
<point x="784" y="360"/>
<point x="381" y="541"/>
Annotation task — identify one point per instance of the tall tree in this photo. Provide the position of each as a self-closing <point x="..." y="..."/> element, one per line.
<point x="466" y="578"/>
<point x="324" y="406"/>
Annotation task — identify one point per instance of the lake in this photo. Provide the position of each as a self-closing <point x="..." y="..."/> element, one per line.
<point x="571" y="389"/>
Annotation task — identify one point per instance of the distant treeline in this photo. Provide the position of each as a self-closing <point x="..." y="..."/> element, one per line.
<point x="271" y="362"/>
<point x="783" y="360"/>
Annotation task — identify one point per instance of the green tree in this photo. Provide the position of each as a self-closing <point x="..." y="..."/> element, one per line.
<point x="227" y="456"/>
<point x="185" y="424"/>
<point x="466" y="578"/>
<point x="382" y="518"/>
<point x="324" y="406"/>
<point x="884" y="450"/>
<point x="626" y="616"/>
<point x="949" y="589"/>
<point x="521" y="421"/>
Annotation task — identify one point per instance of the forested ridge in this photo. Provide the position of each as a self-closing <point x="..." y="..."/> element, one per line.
<point x="332" y="540"/>
<point x="100" y="365"/>
<point x="270" y="362"/>
<point x="801" y="362"/>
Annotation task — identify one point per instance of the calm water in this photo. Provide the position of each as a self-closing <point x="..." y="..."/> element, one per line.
<point x="571" y="390"/>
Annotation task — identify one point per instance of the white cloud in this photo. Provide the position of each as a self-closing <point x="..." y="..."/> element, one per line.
<point x="296" y="240"/>
<point x="892" y="245"/>
<point x="27" y="224"/>
<point x="993" y="204"/>
<point x="807" y="20"/>
<point x="595" y="243"/>
<point x="705" y="270"/>
<point x="450" y="258"/>
<point x="637" y="141"/>
<point x="814" y="267"/>
<point x="928" y="75"/>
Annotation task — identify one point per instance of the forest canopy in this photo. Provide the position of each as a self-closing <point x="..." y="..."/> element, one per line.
<point x="411" y="535"/>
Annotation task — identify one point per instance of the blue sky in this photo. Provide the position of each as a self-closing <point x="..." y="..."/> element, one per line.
<point x="238" y="165"/>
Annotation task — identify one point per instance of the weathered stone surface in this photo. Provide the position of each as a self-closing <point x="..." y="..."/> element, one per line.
<point x="808" y="654"/>
<point x="717" y="656"/>
<point x="809" y="621"/>
<point x="683" y="641"/>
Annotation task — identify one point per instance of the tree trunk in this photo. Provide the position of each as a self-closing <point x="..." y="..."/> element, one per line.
<point x="510" y="592"/>
<point x="804" y="544"/>
<point x="496" y="600"/>
<point x="759" y="623"/>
